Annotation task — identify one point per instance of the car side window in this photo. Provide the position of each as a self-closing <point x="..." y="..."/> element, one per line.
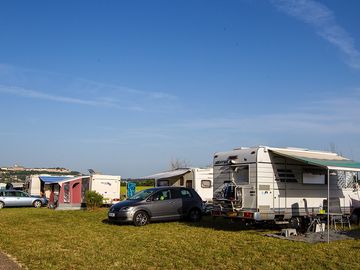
<point x="162" y="195"/>
<point x="10" y="194"/>
<point x="19" y="194"/>
<point x="185" y="193"/>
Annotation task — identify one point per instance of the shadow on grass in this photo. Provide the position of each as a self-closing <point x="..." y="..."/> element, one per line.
<point x="212" y="223"/>
<point x="115" y="223"/>
<point x="224" y="224"/>
<point x="120" y="223"/>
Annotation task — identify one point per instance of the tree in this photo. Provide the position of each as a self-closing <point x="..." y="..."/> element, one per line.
<point x="177" y="163"/>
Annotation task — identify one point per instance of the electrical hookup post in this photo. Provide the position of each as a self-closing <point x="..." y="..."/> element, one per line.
<point x="130" y="188"/>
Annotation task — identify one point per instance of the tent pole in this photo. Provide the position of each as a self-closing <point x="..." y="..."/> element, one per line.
<point x="328" y="205"/>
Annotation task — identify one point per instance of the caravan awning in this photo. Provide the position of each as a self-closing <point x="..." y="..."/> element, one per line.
<point x="168" y="174"/>
<point x="54" y="179"/>
<point x="325" y="160"/>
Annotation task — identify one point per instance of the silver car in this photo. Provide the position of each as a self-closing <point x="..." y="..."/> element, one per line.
<point x="14" y="198"/>
<point x="161" y="203"/>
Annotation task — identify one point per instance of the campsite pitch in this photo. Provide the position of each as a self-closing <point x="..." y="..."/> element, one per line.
<point x="48" y="239"/>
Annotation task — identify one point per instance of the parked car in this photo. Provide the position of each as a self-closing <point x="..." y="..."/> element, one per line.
<point x="11" y="198"/>
<point x="158" y="204"/>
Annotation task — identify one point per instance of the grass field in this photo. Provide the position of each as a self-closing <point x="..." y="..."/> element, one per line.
<point x="48" y="239"/>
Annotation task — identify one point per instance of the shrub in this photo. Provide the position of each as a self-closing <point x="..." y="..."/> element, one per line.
<point x="93" y="199"/>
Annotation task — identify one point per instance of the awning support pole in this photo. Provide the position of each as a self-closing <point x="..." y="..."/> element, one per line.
<point x="328" y="206"/>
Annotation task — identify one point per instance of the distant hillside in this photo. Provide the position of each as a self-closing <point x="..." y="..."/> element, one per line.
<point x="19" y="176"/>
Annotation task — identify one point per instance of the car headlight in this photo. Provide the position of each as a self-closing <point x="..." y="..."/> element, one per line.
<point x="126" y="208"/>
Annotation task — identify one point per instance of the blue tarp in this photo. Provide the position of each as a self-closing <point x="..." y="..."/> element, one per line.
<point x="54" y="179"/>
<point x="131" y="187"/>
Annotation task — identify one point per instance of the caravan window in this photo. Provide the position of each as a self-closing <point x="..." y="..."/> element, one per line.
<point x="241" y="174"/>
<point x="314" y="177"/>
<point x="285" y="175"/>
<point x="205" y="183"/>
<point x="66" y="192"/>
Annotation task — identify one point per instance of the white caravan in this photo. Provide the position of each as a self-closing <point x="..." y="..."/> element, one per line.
<point x="283" y="184"/>
<point x="33" y="185"/>
<point x="106" y="185"/>
<point x="200" y="179"/>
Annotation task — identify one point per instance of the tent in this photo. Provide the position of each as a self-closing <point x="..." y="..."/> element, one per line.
<point x="68" y="192"/>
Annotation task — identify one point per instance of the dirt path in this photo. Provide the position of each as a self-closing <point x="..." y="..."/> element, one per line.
<point x="7" y="264"/>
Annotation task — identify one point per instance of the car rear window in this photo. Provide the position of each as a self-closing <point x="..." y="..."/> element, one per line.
<point x="184" y="193"/>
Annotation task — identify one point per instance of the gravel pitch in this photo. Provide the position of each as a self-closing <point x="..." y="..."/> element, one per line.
<point x="7" y="263"/>
<point x="320" y="237"/>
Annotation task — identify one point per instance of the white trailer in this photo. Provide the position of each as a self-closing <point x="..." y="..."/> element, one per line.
<point x="35" y="186"/>
<point x="200" y="179"/>
<point x="106" y="185"/>
<point x="283" y="184"/>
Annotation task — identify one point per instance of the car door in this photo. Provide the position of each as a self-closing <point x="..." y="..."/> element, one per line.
<point x="3" y="196"/>
<point x="188" y="200"/>
<point x="19" y="199"/>
<point x="10" y="198"/>
<point x="164" y="206"/>
<point x="25" y="199"/>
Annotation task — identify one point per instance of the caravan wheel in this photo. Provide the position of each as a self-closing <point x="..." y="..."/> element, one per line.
<point x="2" y="205"/>
<point x="296" y="223"/>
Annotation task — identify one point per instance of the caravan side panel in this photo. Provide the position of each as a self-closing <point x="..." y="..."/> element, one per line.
<point x="108" y="186"/>
<point x="203" y="183"/>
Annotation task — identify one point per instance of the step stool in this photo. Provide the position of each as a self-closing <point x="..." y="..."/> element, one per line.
<point x="288" y="232"/>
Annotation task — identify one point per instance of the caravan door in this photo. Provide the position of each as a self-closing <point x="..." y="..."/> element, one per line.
<point x="279" y="201"/>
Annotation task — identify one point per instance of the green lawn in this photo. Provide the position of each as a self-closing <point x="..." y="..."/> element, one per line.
<point x="48" y="239"/>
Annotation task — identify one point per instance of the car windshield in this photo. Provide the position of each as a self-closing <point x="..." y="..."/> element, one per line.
<point x="142" y="194"/>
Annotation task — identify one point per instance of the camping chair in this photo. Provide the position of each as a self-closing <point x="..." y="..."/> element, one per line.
<point x="315" y="221"/>
<point x="336" y="214"/>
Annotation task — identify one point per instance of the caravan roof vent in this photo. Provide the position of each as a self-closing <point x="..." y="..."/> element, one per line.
<point x="241" y="148"/>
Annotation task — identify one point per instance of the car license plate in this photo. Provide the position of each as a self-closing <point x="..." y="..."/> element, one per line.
<point x="111" y="214"/>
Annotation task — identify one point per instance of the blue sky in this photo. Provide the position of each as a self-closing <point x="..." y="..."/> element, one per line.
<point x="124" y="87"/>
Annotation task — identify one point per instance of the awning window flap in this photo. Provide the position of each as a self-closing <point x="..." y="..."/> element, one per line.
<point x="167" y="174"/>
<point x="331" y="162"/>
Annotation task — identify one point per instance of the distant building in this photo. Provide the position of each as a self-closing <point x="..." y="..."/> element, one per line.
<point x="17" y="168"/>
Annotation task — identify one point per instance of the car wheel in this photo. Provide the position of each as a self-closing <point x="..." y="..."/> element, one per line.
<point x="141" y="218"/>
<point x="37" y="204"/>
<point x="195" y="215"/>
<point x="2" y="205"/>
